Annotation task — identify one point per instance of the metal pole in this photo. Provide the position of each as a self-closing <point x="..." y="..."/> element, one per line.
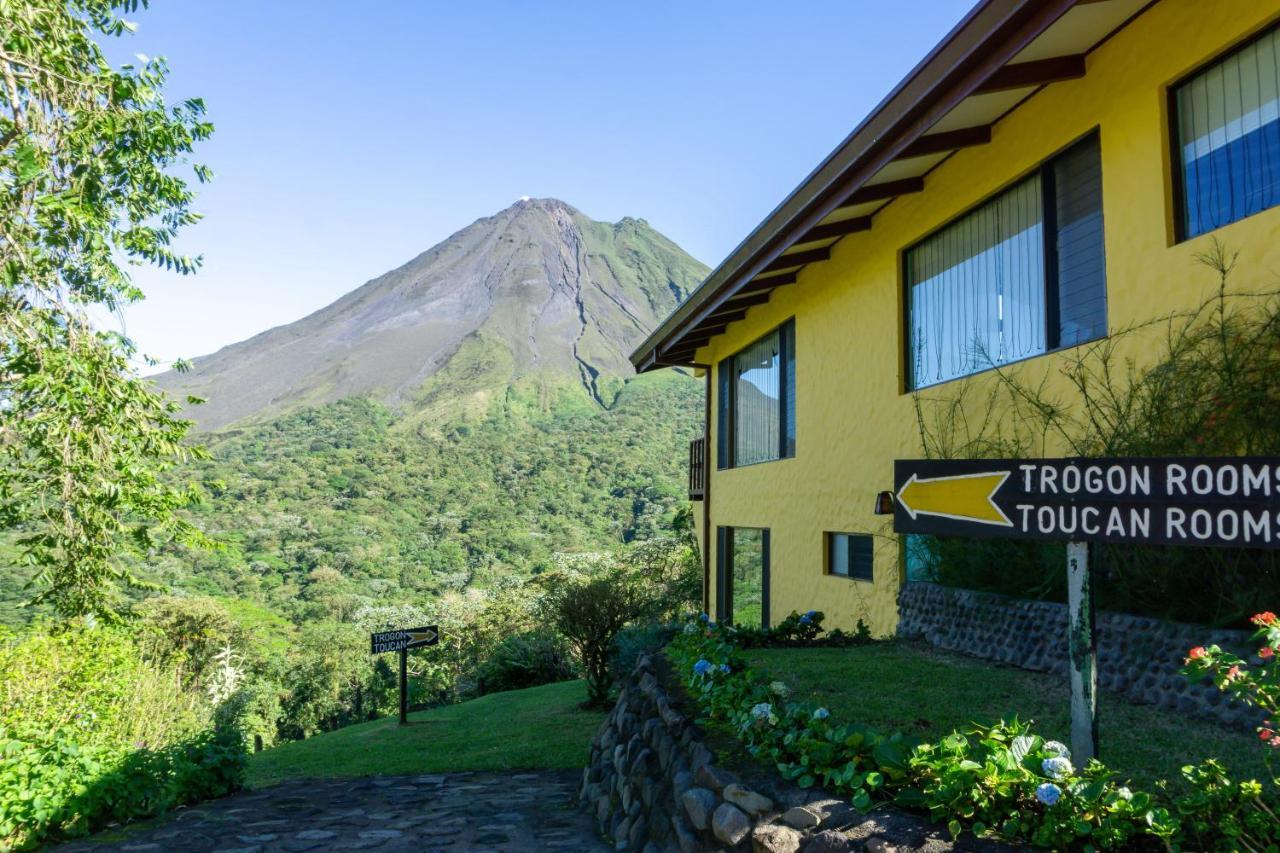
<point x="1082" y="647"/>
<point x="404" y="687"/>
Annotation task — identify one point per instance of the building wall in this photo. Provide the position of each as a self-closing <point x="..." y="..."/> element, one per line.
<point x="853" y="413"/>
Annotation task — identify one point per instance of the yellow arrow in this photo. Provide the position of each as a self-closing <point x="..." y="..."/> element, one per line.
<point x="965" y="497"/>
<point x="421" y="636"/>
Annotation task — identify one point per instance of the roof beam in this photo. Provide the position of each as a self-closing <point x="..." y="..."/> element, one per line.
<point x="798" y="259"/>
<point x="836" y="229"/>
<point x="758" y="298"/>
<point x="755" y="285"/>
<point x="880" y="192"/>
<point x="727" y="316"/>
<point x="1020" y="75"/>
<point x="947" y="140"/>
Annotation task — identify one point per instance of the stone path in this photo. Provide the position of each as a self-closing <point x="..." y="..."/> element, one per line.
<point x="534" y="811"/>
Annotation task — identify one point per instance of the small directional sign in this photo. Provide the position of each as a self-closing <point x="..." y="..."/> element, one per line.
<point x="1229" y="502"/>
<point x="409" y="638"/>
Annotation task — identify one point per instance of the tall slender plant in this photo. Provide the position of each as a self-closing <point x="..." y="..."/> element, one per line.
<point x="86" y="187"/>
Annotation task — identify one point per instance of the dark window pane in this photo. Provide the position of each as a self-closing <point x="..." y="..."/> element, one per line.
<point x="850" y="555"/>
<point x="757" y="401"/>
<point x="1082" y="275"/>
<point x="789" y="404"/>
<point x="1228" y="123"/>
<point x="724" y="430"/>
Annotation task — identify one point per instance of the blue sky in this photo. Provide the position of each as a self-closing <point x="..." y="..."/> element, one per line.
<point x="353" y="136"/>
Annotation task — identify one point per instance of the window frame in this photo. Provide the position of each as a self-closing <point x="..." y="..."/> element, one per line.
<point x="1178" y="188"/>
<point x="727" y="435"/>
<point x="1044" y="171"/>
<point x="828" y="551"/>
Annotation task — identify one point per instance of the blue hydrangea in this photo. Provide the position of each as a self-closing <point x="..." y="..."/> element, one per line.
<point x="724" y="668"/>
<point x="1057" y="748"/>
<point x="806" y="619"/>
<point x="1049" y="794"/>
<point x="821" y="714"/>
<point x="811" y="613"/>
<point x="1057" y="767"/>
<point x="702" y="667"/>
<point x="704" y="617"/>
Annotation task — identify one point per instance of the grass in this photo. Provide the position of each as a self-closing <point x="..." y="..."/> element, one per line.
<point x="919" y="690"/>
<point x="538" y="728"/>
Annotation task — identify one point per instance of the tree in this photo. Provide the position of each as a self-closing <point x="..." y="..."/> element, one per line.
<point x="590" y="613"/>
<point x="85" y="158"/>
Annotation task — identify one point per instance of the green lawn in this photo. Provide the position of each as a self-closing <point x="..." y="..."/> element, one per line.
<point x="919" y="690"/>
<point x="537" y="728"/>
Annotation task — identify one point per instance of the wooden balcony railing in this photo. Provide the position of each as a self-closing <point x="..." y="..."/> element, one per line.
<point x="698" y="468"/>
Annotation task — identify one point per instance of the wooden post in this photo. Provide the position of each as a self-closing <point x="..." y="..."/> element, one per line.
<point x="404" y="687"/>
<point x="1083" y="652"/>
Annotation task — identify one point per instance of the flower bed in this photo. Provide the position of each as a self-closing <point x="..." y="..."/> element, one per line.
<point x="1004" y="781"/>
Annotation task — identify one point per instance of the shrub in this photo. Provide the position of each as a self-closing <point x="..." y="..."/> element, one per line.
<point x="526" y="660"/>
<point x="1003" y="781"/>
<point x="1256" y="686"/>
<point x="91" y="734"/>
<point x="590" y="614"/>
<point x="636" y="640"/>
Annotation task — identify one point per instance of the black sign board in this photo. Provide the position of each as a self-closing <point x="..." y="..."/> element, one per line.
<point x="1231" y="502"/>
<point x="409" y="638"/>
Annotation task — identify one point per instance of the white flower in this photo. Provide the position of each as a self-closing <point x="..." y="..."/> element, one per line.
<point x="1057" y="767"/>
<point x="691" y="628"/>
<point x="821" y="714"/>
<point x="1057" y="749"/>
<point x="1125" y="793"/>
<point x="779" y="689"/>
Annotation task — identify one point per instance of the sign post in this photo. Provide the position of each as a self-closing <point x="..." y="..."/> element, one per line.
<point x="1222" y="502"/>
<point x="1083" y="653"/>
<point x="402" y="641"/>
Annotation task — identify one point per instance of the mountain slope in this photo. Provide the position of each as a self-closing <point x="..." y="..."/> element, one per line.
<point x="538" y="290"/>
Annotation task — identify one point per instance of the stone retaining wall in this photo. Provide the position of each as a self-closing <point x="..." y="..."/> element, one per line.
<point x="1138" y="657"/>
<point x="654" y="786"/>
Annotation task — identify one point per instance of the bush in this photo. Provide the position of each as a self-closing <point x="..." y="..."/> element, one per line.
<point x="590" y="614"/>
<point x="1003" y="781"/>
<point x="636" y="640"/>
<point x="90" y="734"/>
<point x="526" y="660"/>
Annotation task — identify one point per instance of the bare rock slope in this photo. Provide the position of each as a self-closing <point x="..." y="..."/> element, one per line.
<point x="538" y="289"/>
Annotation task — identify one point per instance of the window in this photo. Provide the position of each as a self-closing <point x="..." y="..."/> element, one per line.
<point x="1227" y="127"/>
<point x="757" y="401"/>
<point x="742" y="576"/>
<point x="1021" y="275"/>
<point x="850" y="555"/>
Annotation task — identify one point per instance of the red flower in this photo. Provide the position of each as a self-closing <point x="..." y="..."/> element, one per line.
<point x="1233" y="673"/>
<point x="1266" y="652"/>
<point x="1196" y="653"/>
<point x="1266" y="734"/>
<point x="1264" y="619"/>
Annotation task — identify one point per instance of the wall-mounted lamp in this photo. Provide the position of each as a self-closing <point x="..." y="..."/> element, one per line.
<point x="884" y="503"/>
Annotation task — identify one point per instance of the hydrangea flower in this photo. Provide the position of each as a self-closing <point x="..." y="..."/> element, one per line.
<point x="821" y="714"/>
<point x="761" y="712"/>
<point x="691" y="629"/>
<point x="1049" y="794"/>
<point x="1057" y="749"/>
<point x="806" y="619"/>
<point x="724" y="668"/>
<point x="779" y="689"/>
<point x="1057" y="767"/>
<point x="702" y="667"/>
<point x="704" y="617"/>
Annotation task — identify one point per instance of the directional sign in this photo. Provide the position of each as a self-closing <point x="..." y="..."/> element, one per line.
<point x="1231" y="502"/>
<point x="409" y="638"/>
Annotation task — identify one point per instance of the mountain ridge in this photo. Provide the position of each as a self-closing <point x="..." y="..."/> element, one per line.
<point x="546" y="292"/>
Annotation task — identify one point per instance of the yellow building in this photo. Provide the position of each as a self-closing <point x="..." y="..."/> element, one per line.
<point x="1046" y="176"/>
